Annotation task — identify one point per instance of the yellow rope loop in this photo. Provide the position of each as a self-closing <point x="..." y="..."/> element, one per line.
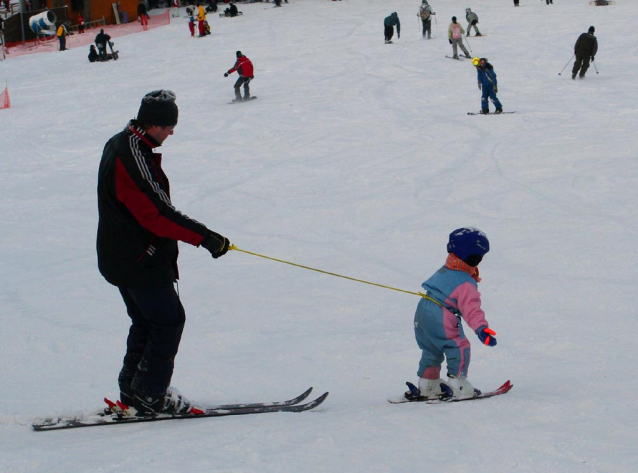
<point x="425" y="296"/>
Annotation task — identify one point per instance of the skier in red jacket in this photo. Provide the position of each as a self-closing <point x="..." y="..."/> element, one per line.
<point x="244" y="68"/>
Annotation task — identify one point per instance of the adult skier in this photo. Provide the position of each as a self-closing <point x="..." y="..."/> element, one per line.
<point x="472" y="21"/>
<point x="101" y="40"/>
<point x="437" y="325"/>
<point x="62" y="34"/>
<point x="388" y="27"/>
<point x="585" y="49"/>
<point x="425" y="13"/>
<point x="137" y="237"/>
<point x="488" y="84"/>
<point x="455" y="36"/>
<point x="244" y="68"/>
<point x="201" y="18"/>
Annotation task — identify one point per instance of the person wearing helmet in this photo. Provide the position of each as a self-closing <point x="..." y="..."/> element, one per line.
<point x="472" y="20"/>
<point x="585" y="49"/>
<point x="388" y="27"/>
<point x="452" y="296"/>
<point x="455" y="36"/>
<point x="425" y="13"/>
<point x="487" y="83"/>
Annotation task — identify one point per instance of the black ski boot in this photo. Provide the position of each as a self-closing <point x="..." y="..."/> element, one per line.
<point x="173" y="402"/>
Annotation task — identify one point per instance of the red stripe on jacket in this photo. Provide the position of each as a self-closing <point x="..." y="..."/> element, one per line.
<point x="146" y="212"/>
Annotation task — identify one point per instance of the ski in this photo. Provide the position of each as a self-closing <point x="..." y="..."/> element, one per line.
<point x="220" y="411"/>
<point x="234" y="101"/>
<point x="479" y="113"/>
<point x="289" y="402"/>
<point x="506" y="387"/>
<point x="460" y="58"/>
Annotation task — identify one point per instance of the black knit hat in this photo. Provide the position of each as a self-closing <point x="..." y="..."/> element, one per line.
<point x="592" y="29"/>
<point x="158" y="108"/>
<point x="238" y="54"/>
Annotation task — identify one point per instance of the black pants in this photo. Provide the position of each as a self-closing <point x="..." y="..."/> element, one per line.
<point x="62" y="43"/>
<point x="427" y="27"/>
<point x="245" y="81"/>
<point x="388" y="31"/>
<point x="158" y="320"/>
<point x="101" y="48"/>
<point x="582" y="64"/>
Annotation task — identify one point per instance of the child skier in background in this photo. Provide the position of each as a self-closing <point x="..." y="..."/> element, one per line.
<point x="452" y="295"/>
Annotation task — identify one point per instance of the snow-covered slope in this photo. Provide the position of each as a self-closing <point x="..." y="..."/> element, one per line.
<point x="359" y="159"/>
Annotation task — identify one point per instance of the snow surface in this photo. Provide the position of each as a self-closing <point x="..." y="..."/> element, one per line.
<point x="358" y="158"/>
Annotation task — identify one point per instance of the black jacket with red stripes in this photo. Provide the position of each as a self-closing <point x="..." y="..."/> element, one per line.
<point x="138" y="226"/>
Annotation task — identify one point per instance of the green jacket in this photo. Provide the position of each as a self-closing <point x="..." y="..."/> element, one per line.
<point x="393" y="20"/>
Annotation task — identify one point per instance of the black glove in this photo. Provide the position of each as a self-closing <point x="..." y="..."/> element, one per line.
<point x="450" y="41"/>
<point x="496" y="89"/>
<point x="216" y="244"/>
<point x="592" y="58"/>
<point x="225" y="74"/>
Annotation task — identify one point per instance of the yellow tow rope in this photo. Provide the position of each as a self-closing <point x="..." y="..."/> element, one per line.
<point x="425" y="296"/>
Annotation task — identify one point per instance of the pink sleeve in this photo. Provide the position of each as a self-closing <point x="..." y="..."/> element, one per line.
<point x="469" y="303"/>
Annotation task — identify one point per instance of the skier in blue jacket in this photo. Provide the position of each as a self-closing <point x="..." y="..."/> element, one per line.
<point x="488" y="84"/>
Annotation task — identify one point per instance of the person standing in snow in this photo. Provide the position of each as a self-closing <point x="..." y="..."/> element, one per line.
<point x="201" y="18"/>
<point x="388" y="27"/>
<point x="472" y="21"/>
<point x="244" y="68"/>
<point x="137" y="237"/>
<point x="101" y="40"/>
<point x="452" y="296"/>
<point x="455" y="37"/>
<point x="62" y="34"/>
<point x="487" y="83"/>
<point x="549" y="1"/>
<point x="425" y="13"/>
<point x="585" y="49"/>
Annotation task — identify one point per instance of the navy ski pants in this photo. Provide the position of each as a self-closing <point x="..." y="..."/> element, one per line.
<point x="158" y="319"/>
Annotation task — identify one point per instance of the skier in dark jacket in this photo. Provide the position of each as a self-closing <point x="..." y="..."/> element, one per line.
<point x="101" y="40"/>
<point x="244" y="68"/>
<point x="388" y="27"/>
<point x="137" y="237"/>
<point x="487" y="83"/>
<point x="585" y="49"/>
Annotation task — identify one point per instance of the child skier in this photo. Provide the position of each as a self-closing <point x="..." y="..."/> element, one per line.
<point x="452" y="295"/>
<point x="488" y="84"/>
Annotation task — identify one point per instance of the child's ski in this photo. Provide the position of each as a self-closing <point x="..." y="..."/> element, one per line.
<point x="502" y="390"/>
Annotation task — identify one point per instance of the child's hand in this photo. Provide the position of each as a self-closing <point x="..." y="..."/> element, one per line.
<point x="486" y="336"/>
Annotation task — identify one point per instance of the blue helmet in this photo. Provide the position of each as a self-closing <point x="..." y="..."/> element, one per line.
<point x="466" y="242"/>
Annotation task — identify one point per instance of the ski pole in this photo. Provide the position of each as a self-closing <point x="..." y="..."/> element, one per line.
<point x="425" y="296"/>
<point x="468" y="44"/>
<point x="570" y="60"/>
<point x="594" y="63"/>
<point x="437" y="26"/>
